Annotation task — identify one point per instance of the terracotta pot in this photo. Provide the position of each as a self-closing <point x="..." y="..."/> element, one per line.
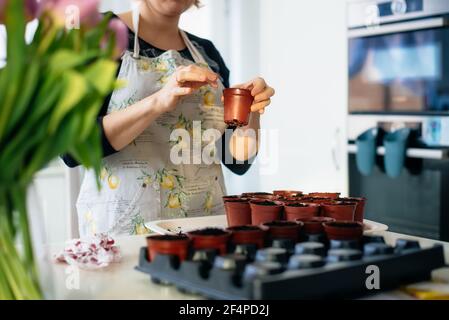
<point x="360" y="209"/>
<point x="237" y="106"/>
<point x="331" y="195"/>
<point x="248" y="235"/>
<point x="339" y="210"/>
<point x="177" y="245"/>
<point x="287" y="193"/>
<point x="295" y="211"/>
<point x="234" y="197"/>
<point x="264" y="211"/>
<point x="259" y="195"/>
<point x="283" y="230"/>
<point x="316" y="200"/>
<point x="315" y="225"/>
<point x="343" y="230"/>
<point x="210" y="238"/>
<point x="238" y="212"/>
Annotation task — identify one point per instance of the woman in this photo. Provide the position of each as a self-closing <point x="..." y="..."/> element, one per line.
<point x="173" y="79"/>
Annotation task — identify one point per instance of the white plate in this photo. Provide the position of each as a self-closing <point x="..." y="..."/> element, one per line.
<point x="188" y="224"/>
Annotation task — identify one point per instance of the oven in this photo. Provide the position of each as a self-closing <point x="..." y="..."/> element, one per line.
<point x="398" y="77"/>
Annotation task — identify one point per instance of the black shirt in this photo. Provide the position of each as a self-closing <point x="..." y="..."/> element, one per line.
<point x="215" y="62"/>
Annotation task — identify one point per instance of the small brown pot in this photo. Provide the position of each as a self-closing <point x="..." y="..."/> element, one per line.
<point x="237" y="106"/>
<point x="315" y="225"/>
<point x="248" y="235"/>
<point x="287" y="194"/>
<point x="360" y="209"/>
<point x="283" y="230"/>
<point x="316" y="200"/>
<point x="234" y="197"/>
<point x="259" y="195"/>
<point x="343" y="230"/>
<point x="330" y="195"/>
<point x="264" y="211"/>
<point x="339" y="210"/>
<point x="238" y="212"/>
<point x="210" y="238"/>
<point x="177" y="245"/>
<point x="295" y="211"/>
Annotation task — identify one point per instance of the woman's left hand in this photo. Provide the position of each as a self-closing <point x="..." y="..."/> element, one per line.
<point x="261" y="92"/>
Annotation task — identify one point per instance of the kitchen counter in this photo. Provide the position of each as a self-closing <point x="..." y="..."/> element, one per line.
<point x="121" y="281"/>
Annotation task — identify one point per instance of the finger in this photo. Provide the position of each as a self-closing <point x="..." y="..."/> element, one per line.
<point x="203" y="74"/>
<point x="261" y="105"/>
<point x="183" y="91"/>
<point x="264" y="95"/>
<point x="259" y="86"/>
<point x="247" y="85"/>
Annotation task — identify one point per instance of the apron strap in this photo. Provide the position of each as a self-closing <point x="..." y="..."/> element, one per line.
<point x="197" y="56"/>
<point x="136" y="19"/>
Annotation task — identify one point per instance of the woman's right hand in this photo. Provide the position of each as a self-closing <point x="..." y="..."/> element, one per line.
<point x="183" y="82"/>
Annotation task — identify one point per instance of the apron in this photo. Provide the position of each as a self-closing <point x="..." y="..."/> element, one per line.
<point x="141" y="183"/>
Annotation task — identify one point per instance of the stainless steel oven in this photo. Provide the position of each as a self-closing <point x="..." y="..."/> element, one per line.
<point x="398" y="76"/>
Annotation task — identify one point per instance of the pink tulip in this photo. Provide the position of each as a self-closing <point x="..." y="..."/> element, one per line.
<point x="120" y="31"/>
<point x="32" y="9"/>
<point x="69" y="12"/>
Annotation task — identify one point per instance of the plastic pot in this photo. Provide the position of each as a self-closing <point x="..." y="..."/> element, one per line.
<point x="259" y="195"/>
<point x="238" y="212"/>
<point x="339" y="210"/>
<point x="264" y="211"/>
<point x="248" y="235"/>
<point x="295" y="211"/>
<point x="360" y="208"/>
<point x="287" y="193"/>
<point x="343" y="230"/>
<point x="177" y="245"/>
<point x="283" y="230"/>
<point x="237" y="106"/>
<point x="210" y="238"/>
<point x="315" y="225"/>
<point x="329" y="195"/>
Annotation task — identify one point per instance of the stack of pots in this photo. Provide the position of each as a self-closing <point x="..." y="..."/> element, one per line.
<point x="312" y="211"/>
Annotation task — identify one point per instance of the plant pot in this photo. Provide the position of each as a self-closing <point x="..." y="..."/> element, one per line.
<point x="177" y="245"/>
<point x="248" y="235"/>
<point x="339" y="210"/>
<point x="283" y="230"/>
<point x="343" y="230"/>
<point x="315" y="225"/>
<point x="230" y="198"/>
<point x="295" y="211"/>
<point x="237" y="106"/>
<point x="210" y="238"/>
<point x="330" y="195"/>
<point x="360" y="208"/>
<point x="287" y="194"/>
<point x="238" y="212"/>
<point x="259" y="195"/>
<point x="264" y="211"/>
<point x="316" y="200"/>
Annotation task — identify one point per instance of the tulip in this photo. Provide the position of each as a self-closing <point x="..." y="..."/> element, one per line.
<point x="120" y="31"/>
<point x="32" y="9"/>
<point x="72" y="12"/>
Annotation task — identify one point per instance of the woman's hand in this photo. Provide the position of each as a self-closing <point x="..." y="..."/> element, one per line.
<point x="184" y="81"/>
<point x="261" y="92"/>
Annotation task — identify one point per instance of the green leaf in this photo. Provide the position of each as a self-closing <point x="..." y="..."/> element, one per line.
<point x="101" y="75"/>
<point x="75" y="87"/>
<point x="65" y="59"/>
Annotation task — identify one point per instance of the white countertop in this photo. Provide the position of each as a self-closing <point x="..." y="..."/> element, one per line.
<point x="122" y="281"/>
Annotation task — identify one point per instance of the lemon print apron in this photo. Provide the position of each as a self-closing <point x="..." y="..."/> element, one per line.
<point x="141" y="183"/>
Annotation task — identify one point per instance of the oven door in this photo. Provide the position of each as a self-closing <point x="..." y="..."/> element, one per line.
<point x="400" y="68"/>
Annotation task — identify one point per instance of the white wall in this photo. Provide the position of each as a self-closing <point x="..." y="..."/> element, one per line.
<point x="303" y="55"/>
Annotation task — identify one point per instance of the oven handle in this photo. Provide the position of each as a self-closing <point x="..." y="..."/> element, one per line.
<point x="398" y="27"/>
<point x="418" y="153"/>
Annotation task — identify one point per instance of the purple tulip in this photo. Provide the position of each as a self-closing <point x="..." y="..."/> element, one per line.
<point x="32" y="9"/>
<point x="120" y="31"/>
<point x="70" y="12"/>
